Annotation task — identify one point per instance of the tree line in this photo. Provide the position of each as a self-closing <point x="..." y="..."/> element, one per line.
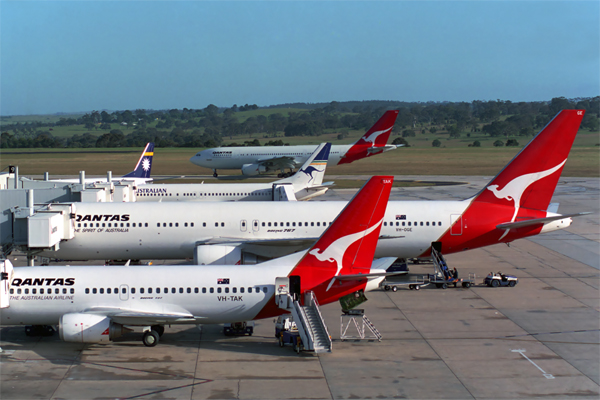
<point x="209" y="126"/>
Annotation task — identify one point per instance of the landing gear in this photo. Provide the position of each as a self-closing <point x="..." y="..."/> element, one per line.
<point x="158" y="329"/>
<point x="151" y="338"/>
<point x="215" y="173"/>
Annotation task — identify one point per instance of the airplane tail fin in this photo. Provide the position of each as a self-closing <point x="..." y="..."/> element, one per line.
<point x="347" y="247"/>
<point x="313" y="170"/>
<point x="530" y="178"/>
<point x="374" y="141"/>
<point x="144" y="164"/>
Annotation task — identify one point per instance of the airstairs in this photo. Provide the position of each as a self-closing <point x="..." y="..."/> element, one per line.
<point x="362" y="325"/>
<point x="441" y="266"/>
<point x="309" y="321"/>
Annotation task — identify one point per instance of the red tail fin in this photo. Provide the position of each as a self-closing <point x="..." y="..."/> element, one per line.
<point x="348" y="245"/>
<point x="377" y="136"/>
<point x="530" y="178"/>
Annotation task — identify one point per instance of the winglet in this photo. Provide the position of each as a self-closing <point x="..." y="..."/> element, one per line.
<point x="347" y="247"/>
<point x="144" y="164"/>
<point x="312" y="171"/>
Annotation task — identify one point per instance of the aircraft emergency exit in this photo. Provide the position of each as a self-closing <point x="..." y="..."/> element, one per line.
<point x="269" y="159"/>
<point x="514" y="205"/>
<point x="303" y="185"/>
<point x="97" y="303"/>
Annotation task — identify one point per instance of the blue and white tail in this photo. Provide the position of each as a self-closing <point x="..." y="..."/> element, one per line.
<point x="312" y="171"/>
<point x="144" y="164"/>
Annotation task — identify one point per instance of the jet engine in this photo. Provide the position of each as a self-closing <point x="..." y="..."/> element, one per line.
<point x="89" y="328"/>
<point x="253" y="169"/>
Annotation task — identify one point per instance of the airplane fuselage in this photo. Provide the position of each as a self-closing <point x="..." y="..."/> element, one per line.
<point x="236" y="157"/>
<point x="172" y="230"/>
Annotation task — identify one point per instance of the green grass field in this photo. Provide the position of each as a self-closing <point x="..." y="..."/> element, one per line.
<point x="583" y="161"/>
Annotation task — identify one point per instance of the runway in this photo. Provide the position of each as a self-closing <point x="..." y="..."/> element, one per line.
<point x="540" y="339"/>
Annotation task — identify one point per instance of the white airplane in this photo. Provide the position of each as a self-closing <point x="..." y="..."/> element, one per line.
<point x="305" y="184"/>
<point x="94" y="304"/>
<point x="260" y="160"/>
<point x="514" y="205"/>
<point x="140" y="174"/>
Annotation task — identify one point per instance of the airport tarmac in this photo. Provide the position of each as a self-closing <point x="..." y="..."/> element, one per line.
<point x="540" y="339"/>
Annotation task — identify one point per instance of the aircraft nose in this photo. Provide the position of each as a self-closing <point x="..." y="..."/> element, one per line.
<point x="195" y="159"/>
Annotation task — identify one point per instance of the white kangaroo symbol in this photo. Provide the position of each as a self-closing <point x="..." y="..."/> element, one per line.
<point x="373" y="136"/>
<point x="514" y="189"/>
<point x="336" y="250"/>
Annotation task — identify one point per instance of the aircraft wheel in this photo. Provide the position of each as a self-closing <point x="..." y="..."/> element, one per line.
<point x="495" y="283"/>
<point x="394" y="288"/>
<point x="386" y="287"/>
<point x="150" y="338"/>
<point x="512" y="283"/>
<point x="215" y="173"/>
<point x="159" y="329"/>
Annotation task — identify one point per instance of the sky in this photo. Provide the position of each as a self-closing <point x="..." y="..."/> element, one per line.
<point x="78" y="56"/>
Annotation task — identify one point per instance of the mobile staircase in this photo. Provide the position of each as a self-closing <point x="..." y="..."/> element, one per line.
<point x="311" y="333"/>
<point x="357" y="319"/>
<point x="442" y="276"/>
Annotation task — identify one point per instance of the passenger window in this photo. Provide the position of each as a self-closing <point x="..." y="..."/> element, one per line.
<point x="33" y="291"/>
<point x="72" y="291"/>
<point x="189" y="290"/>
<point x="312" y="224"/>
<point x="101" y="290"/>
<point x="123" y="290"/>
<point x="142" y="290"/>
<point x="274" y="223"/>
<point x="216" y="224"/>
<point x="196" y="290"/>
<point x="180" y="290"/>
<point x="158" y="290"/>
<point x="287" y="224"/>
<point x="241" y="290"/>
<point x="385" y="224"/>
<point x="185" y="225"/>
<point x="234" y="290"/>
<point x="427" y="223"/>
<point x="318" y="224"/>
<point x="440" y="223"/>
<point x="41" y="291"/>
<point x="132" y="290"/>
<point x="164" y="224"/>
<point x="219" y="290"/>
<point x="408" y="223"/>
<point x="421" y="223"/>
<point x="170" y="224"/>
<point x="203" y="290"/>
<point x="158" y="224"/>
<point x="293" y="224"/>
<point x="249" y="290"/>
<point x="212" y="290"/>
<point x="265" y="289"/>
<point x="269" y="224"/>
<point x="56" y="291"/>
<point x="226" y="290"/>
<point x="87" y="290"/>
<point x="149" y="290"/>
<point x="403" y="223"/>
<point x="263" y="224"/>
<point x="146" y="224"/>
<point x="94" y="291"/>
<point x="19" y="291"/>
<point x="173" y="290"/>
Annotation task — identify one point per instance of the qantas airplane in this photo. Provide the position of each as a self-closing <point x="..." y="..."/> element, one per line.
<point x="97" y="304"/>
<point x="260" y="160"/>
<point x="515" y="204"/>
<point x="304" y="185"/>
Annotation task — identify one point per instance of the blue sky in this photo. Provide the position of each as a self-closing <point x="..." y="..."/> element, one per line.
<point x="91" y="55"/>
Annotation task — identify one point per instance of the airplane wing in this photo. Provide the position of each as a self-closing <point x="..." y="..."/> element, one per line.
<point x="529" y="222"/>
<point x="278" y="162"/>
<point x="127" y="316"/>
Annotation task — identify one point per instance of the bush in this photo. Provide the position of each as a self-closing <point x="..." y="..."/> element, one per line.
<point x="498" y="143"/>
<point x="512" y="142"/>
<point x="436" y="143"/>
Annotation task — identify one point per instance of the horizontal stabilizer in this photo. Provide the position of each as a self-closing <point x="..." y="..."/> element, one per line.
<point x="381" y="149"/>
<point x="536" y="221"/>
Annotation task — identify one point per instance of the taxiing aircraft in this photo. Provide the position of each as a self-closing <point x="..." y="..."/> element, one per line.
<point x="304" y="185"/>
<point x="514" y="205"/>
<point x="96" y="304"/>
<point x="269" y="159"/>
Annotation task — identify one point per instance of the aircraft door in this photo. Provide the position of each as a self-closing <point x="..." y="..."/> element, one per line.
<point x="456" y="223"/>
<point x="295" y="287"/>
<point x="243" y="225"/>
<point x="124" y="292"/>
<point x="6" y="273"/>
